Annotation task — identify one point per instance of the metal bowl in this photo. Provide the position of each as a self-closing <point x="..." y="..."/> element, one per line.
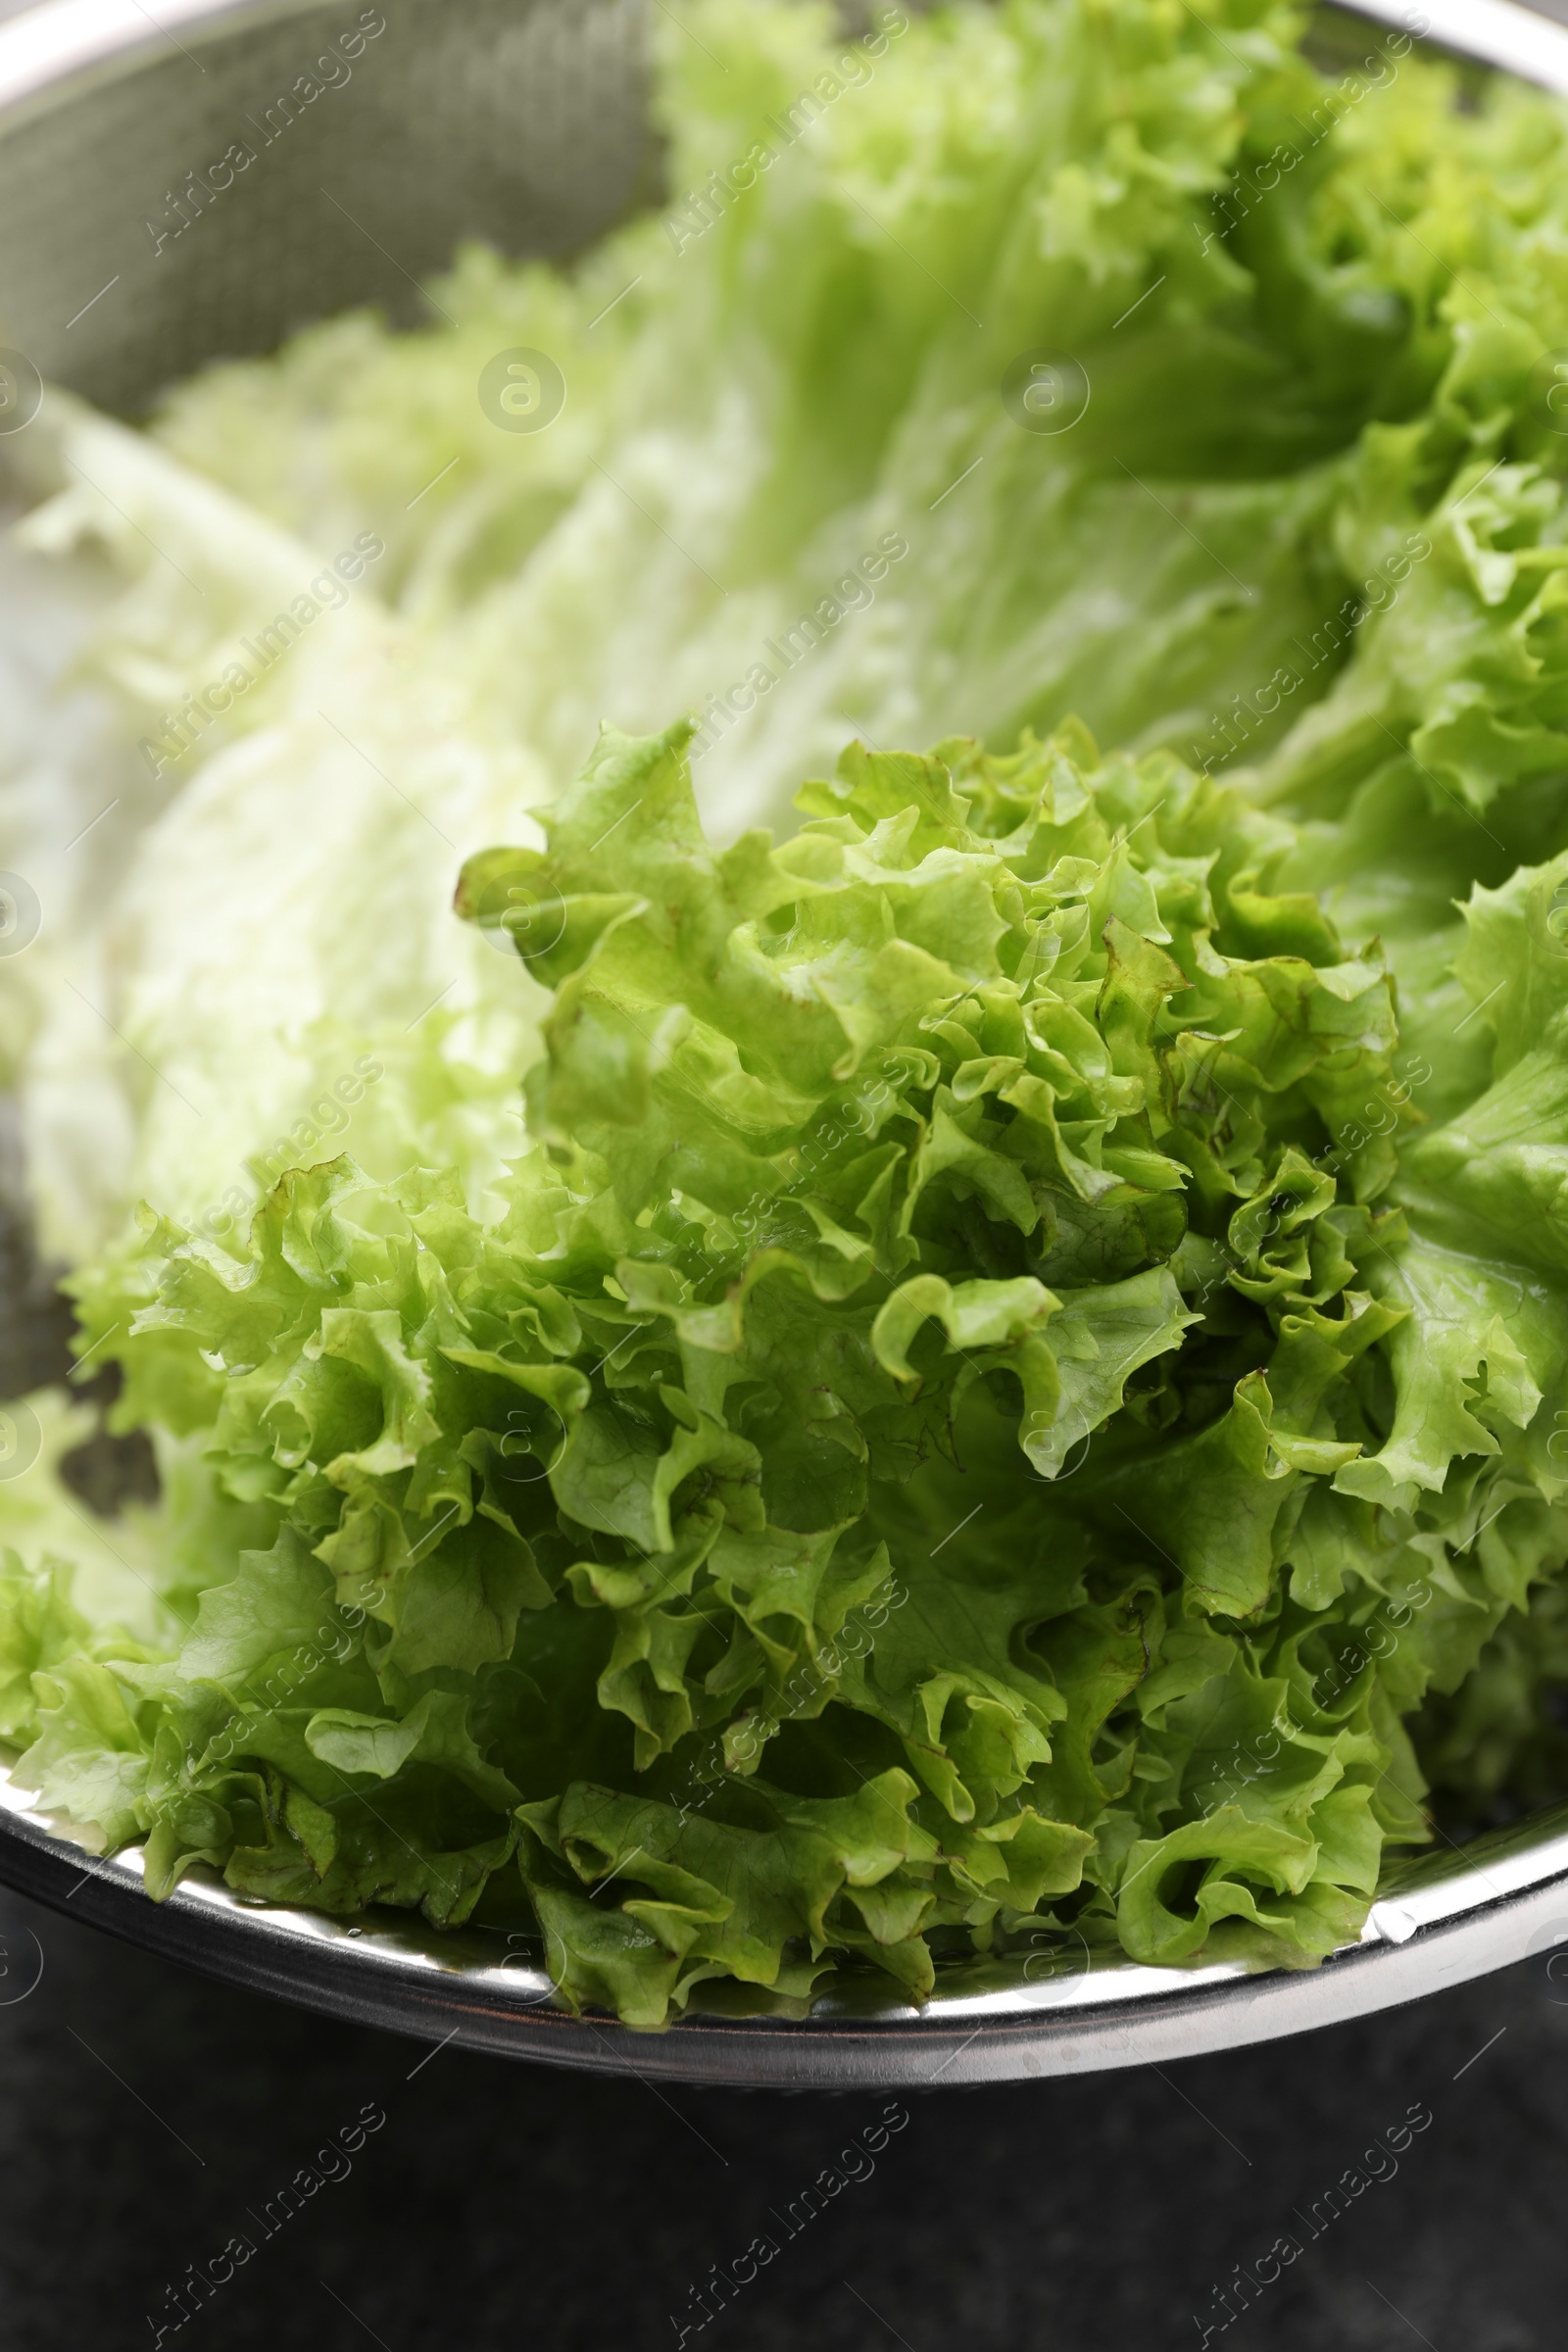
<point x="523" y="122"/>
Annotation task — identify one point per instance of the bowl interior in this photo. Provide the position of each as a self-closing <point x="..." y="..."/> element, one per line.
<point x="202" y="191"/>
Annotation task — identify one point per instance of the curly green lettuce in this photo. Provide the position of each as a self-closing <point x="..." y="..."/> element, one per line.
<point x="1015" y="1374"/>
<point x="759" y="398"/>
<point x="1293" y="299"/>
<point x="840" y="1505"/>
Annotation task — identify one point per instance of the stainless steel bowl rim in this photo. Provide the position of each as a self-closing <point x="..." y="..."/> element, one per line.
<point x="49" y="46"/>
<point x="1446" y="1918"/>
<point x="1482" y="1907"/>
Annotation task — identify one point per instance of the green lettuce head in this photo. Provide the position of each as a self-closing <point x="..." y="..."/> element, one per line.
<point x="850" y="1501"/>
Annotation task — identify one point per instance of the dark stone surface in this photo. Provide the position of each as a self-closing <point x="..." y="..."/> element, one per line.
<point x="147" y="2115"/>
